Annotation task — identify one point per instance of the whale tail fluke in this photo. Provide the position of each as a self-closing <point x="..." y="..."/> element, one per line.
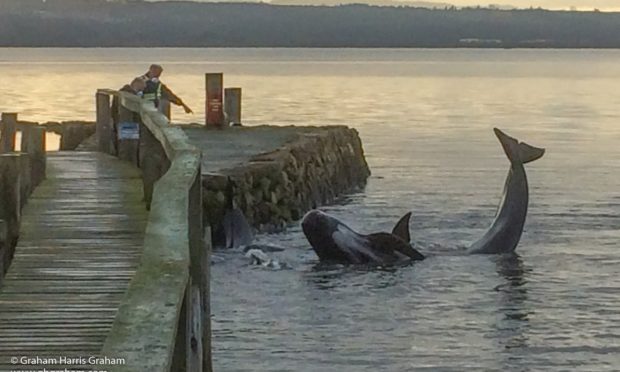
<point x="528" y="153"/>
<point x="518" y="151"/>
<point x="402" y="228"/>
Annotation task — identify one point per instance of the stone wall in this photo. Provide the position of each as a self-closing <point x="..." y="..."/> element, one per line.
<point x="277" y="188"/>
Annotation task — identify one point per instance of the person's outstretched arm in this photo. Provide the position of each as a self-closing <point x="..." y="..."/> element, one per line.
<point x="173" y="98"/>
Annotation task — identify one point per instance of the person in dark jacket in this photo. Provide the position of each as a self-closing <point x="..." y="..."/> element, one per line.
<point x="136" y="87"/>
<point x="155" y="90"/>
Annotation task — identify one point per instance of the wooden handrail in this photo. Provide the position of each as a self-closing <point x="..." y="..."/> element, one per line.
<point x="163" y="323"/>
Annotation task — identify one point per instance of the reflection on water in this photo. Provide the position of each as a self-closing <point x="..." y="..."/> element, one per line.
<point x="512" y="321"/>
<point x="426" y="119"/>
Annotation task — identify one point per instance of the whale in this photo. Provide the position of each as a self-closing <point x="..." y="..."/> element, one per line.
<point x="505" y="232"/>
<point x="237" y="230"/>
<point x="335" y="242"/>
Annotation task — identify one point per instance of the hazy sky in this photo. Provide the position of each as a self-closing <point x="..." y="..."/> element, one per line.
<point x="549" y="4"/>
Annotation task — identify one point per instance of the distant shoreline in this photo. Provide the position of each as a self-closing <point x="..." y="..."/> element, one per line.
<point x="306" y="47"/>
<point x="130" y="24"/>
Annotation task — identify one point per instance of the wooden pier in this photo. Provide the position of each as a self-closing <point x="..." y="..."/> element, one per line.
<point x="109" y="264"/>
<point x="81" y="237"/>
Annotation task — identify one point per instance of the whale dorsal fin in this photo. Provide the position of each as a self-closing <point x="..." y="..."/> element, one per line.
<point x="402" y="228"/>
<point x="230" y="193"/>
<point x="390" y="243"/>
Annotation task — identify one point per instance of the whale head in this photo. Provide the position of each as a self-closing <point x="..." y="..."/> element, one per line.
<point x="334" y="241"/>
<point x="320" y="228"/>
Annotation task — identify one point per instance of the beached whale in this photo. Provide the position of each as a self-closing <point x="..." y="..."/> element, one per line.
<point x="505" y="232"/>
<point x="333" y="241"/>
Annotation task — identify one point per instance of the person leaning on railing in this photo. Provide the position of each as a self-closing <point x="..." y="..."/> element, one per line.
<point x="155" y="90"/>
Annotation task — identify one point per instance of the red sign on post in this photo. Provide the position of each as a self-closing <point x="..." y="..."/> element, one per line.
<point x="215" y="104"/>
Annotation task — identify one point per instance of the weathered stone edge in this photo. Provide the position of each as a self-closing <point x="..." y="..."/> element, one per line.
<point x="277" y="187"/>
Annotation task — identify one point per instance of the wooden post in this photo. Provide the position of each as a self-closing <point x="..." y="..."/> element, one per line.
<point x="8" y="128"/>
<point x="128" y="135"/>
<point x="195" y="297"/>
<point x="207" y="364"/>
<point x="232" y="105"/>
<point x="214" y="105"/>
<point x="4" y="257"/>
<point x="33" y="143"/>
<point x="26" y="133"/>
<point x="104" y="123"/>
<point x="10" y="210"/>
<point x="25" y="178"/>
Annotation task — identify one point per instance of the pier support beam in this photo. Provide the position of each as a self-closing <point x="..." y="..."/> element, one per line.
<point x="8" y="127"/>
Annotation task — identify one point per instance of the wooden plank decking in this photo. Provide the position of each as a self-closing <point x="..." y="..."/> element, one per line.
<point x="81" y="237"/>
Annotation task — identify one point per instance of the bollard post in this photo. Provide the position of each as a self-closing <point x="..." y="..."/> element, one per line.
<point x="104" y="123"/>
<point x="232" y="105"/>
<point x="33" y="143"/>
<point x="7" y="132"/>
<point x="214" y="105"/>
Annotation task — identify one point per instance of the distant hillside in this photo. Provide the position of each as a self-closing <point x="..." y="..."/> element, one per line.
<point x="412" y="3"/>
<point x="75" y="23"/>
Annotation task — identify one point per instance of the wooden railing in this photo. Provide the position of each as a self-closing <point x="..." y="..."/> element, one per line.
<point x="20" y="173"/>
<point x="163" y="323"/>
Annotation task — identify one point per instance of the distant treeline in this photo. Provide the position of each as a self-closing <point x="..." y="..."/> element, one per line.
<point x="101" y="23"/>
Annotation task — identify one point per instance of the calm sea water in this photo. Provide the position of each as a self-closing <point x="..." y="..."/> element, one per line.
<point x="426" y="119"/>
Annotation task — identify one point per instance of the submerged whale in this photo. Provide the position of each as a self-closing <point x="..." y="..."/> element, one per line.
<point x="505" y="232"/>
<point x="236" y="227"/>
<point x="333" y="241"/>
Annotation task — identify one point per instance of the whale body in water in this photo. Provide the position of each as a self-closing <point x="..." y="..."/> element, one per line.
<point x="333" y="241"/>
<point x="505" y="232"/>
